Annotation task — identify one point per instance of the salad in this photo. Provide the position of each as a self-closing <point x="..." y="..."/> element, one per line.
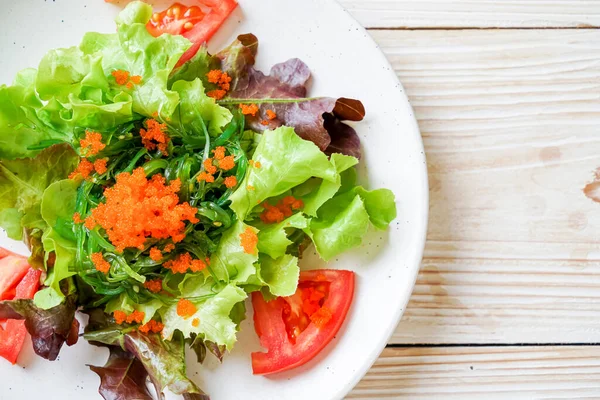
<point x="160" y="187"/>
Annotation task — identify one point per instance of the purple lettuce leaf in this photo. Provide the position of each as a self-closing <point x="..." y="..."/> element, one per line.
<point x="283" y="91"/>
<point x="123" y="377"/>
<point x="164" y="361"/>
<point x="343" y="138"/>
<point x="49" y="329"/>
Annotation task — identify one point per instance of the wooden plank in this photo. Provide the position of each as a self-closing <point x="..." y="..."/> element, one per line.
<point x="475" y="13"/>
<point x="464" y="373"/>
<point x="511" y="125"/>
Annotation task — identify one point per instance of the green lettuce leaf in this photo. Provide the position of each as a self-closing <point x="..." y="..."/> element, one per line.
<point x="10" y="220"/>
<point x="230" y="263"/>
<point x="341" y="227"/>
<point x="195" y="105"/>
<point x="287" y="161"/>
<point x="124" y="303"/>
<point x="198" y="67"/>
<point x="20" y="128"/>
<point x="380" y="205"/>
<point x="57" y="209"/>
<point x="136" y="51"/>
<point x="273" y="239"/>
<point x="319" y="190"/>
<point x="280" y="275"/>
<point x="66" y="72"/>
<point x="215" y="324"/>
<point x="23" y="182"/>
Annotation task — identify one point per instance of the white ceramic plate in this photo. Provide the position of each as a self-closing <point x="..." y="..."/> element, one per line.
<point x="345" y="62"/>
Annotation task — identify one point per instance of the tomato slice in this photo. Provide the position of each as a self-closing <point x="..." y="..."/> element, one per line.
<point x="175" y="20"/>
<point x="191" y="22"/>
<point x="295" y="329"/>
<point x="12" y="269"/>
<point x="6" y="253"/>
<point x="12" y="337"/>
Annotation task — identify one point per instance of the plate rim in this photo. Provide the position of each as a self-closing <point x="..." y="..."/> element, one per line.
<point x="413" y="255"/>
<point x="423" y="221"/>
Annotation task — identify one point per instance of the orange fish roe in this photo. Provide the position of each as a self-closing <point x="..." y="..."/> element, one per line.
<point x="249" y="109"/>
<point x="209" y="167"/>
<point x="204" y="176"/>
<point x="257" y="164"/>
<point x="186" y="308"/>
<point x="155" y="254"/>
<point x="84" y="169"/>
<point x="321" y="317"/>
<point x="169" y="248"/>
<point x="249" y="240"/>
<point x="77" y="218"/>
<point x="217" y="94"/>
<point x="219" y="153"/>
<point x="220" y="78"/>
<point x="291" y="201"/>
<point x="120" y="317"/>
<point x="250" y="187"/>
<point x="92" y="143"/>
<point x="90" y="222"/>
<point x="154" y="285"/>
<point x="271" y="214"/>
<point x="280" y="211"/>
<point x="214" y="76"/>
<point x="154" y="136"/>
<point x="100" y="165"/>
<point x="230" y="182"/>
<point x="183" y="263"/>
<point x="227" y="163"/>
<point x="136" y="317"/>
<point x="121" y="77"/>
<point x="271" y="114"/>
<point x="225" y="81"/>
<point x="264" y="122"/>
<point x="152" y="326"/>
<point x="100" y="263"/>
<point x="196" y="322"/>
<point x="137" y="208"/>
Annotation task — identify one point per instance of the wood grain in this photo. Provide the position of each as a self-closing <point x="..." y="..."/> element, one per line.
<point x="475" y="13"/>
<point x="464" y="373"/>
<point x="511" y="125"/>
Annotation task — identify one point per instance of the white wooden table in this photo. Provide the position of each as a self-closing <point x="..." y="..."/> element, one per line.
<point x="507" y="94"/>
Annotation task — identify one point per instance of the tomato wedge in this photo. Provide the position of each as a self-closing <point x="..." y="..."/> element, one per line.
<point x="12" y="269"/>
<point x="191" y="22"/>
<point x="12" y="337"/>
<point x="295" y="329"/>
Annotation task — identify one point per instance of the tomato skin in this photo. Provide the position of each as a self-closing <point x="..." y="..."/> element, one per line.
<point x="282" y="354"/>
<point x="27" y="288"/>
<point x="12" y="337"/>
<point x="12" y="269"/>
<point x="204" y="25"/>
